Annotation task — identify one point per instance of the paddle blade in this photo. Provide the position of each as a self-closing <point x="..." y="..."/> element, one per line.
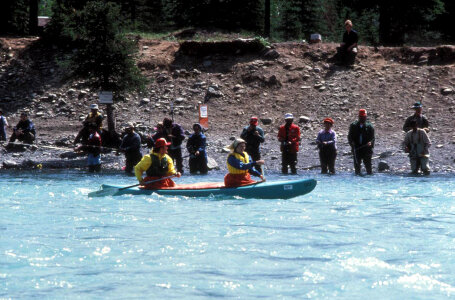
<point x="105" y="191"/>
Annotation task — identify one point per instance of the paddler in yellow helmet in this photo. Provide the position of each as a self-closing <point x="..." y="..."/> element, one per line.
<point x="156" y="165"/>
<point x="240" y="165"/>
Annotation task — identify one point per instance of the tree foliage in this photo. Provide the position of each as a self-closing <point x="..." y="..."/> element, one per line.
<point x="103" y="54"/>
<point x="387" y="22"/>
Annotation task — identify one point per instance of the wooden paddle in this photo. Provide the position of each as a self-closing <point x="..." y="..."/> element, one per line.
<point x="109" y="191"/>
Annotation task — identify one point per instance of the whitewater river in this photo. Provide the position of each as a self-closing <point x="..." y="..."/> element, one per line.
<point x="378" y="237"/>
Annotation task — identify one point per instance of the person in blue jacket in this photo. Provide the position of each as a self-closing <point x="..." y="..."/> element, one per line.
<point x="24" y="130"/>
<point x="196" y="145"/>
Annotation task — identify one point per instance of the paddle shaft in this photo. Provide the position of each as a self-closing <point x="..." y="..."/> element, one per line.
<point x="147" y="182"/>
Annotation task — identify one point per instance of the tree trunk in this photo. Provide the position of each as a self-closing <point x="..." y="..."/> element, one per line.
<point x="267" y="19"/>
<point x="33" y="17"/>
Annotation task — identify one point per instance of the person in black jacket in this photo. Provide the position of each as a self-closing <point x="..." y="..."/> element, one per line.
<point x="422" y="121"/>
<point x="24" y="130"/>
<point x="174" y="133"/>
<point x="196" y="147"/>
<point x="131" y="146"/>
<point x="361" y="140"/>
<point x="347" y="51"/>
<point x="253" y="136"/>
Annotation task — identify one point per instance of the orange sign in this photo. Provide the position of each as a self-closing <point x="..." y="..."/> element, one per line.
<point x="203" y="116"/>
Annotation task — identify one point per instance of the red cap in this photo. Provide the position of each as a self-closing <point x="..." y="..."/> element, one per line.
<point x="362" y="113"/>
<point x="254" y="121"/>
<point x="161" y="142"/>
<point x="329" y="120"/>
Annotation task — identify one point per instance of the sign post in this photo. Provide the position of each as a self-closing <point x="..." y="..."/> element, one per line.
<point x="106" y="98"/>
<point x="203" y="116"/>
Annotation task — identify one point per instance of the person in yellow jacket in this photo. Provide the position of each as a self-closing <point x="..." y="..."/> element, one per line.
<point x="156" y="165"/>
<point x="240" y="165"/>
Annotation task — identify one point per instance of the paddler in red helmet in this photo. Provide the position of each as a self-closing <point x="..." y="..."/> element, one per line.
<point x="240" y="165"/>
<point x="158" y="164"/>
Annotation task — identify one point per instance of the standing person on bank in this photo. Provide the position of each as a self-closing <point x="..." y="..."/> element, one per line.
<point x="361" y="139"/>
<point x="422" y="121"/>
<point x="93" y="118"/>
<point x="326" y="142"/>
<point x="93" y="148"/>
<point x="196" y="145"/>
<point x="156" y="165"/>
<point x="347" y="51"/>
<point x="254" y="137"/>
<point x="3" y="125"/>
<point x="417" y="144"/>
<point x="24" y="130"/>
<point x="131" y="146"/>
<point x="174" y="133"/>
<point x="240" y="165"/>
<point x="289" y="137"/>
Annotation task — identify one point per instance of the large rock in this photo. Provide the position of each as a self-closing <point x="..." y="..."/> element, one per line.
<point x="383" y="166"/>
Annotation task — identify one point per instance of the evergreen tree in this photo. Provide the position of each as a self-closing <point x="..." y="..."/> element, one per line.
<point x="290" y="23"/>
<point x="104" y="55"/>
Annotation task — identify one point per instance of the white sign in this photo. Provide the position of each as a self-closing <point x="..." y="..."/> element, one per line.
<point x="203" y="111"/>
<point x="106" y="97"/>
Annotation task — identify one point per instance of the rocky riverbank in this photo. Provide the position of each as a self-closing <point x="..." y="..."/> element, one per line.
<point x="236" y="84"/>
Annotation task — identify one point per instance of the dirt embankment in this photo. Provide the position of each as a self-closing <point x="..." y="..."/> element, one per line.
<point x="239" y="79"/>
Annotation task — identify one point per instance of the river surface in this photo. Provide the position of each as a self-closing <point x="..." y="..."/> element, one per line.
<point x="378" y="237"/>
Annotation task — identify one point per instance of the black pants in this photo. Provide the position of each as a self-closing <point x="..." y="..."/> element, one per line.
<point x="364" y="155"/>
<point x="255" y="155"/>
<point x="288" y="159"/>
<point x="94" y="168"/>
<point x="198" y="163"/>
<point x="131" y="160"/>
<point x="345" y="57"/>
<point x="26" y="138"/>
<point x="176" y="155"/>
<point x="327" y="158"/>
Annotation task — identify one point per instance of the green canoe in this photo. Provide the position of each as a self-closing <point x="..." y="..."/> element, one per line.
<point x="263" y="190"/>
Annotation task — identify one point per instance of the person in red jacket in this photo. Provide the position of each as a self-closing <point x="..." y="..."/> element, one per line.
<point x="289" y="137"/>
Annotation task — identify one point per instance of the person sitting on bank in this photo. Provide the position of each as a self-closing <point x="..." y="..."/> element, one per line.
<point x="196" y="147"/>
<point x="3" y="125"/>
<point x="174" y="133"/>
<point x="361" y="139"/>
<point x="93" y="149"/>
<point x="422" y="121"/>
<point x="417" y="144"/>
<point x="326" y="142"/>
<point x="24" y="130"/>
<point x="240" y="165"/>
<point x="254" y="136"/>
<point x="131" y="146"/>
<point x="347" y="50"/>
<point x="156" y="165"/>
<point x="94" y="117"/>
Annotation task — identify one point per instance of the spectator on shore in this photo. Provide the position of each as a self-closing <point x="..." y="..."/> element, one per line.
<point x="289" y="137"/>
<point x="347" y="51"/>
<point x="254" y="136"/>
<point x="174" y="133"/>
<point x="24" y="130"/>
<point x="157" y="165"/>
<point x="326" y="141"/>
<point x="3" y="125"/>
<point x="94" y="117"/>
<point x="93" y="149"/>
<point x="131" y="146"/>
<point x="159" y="133"/>
<point x="422" y="121"/>
<point x="240" y="165"/>
<point x="417" y="144"/>
<point x="361" y="139"/>
<point x="196" y="146"/>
